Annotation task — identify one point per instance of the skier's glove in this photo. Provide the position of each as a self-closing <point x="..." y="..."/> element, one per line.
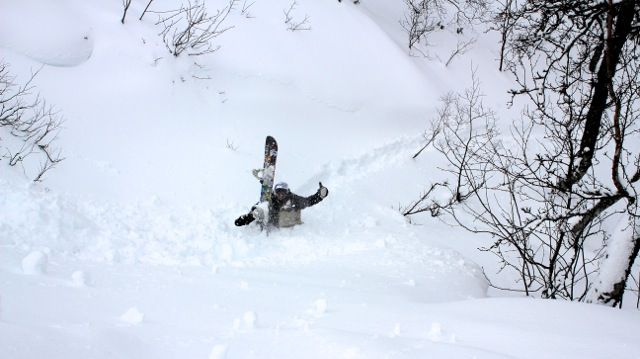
<point x="244" y="219"/>
<point x="323" y="191"/>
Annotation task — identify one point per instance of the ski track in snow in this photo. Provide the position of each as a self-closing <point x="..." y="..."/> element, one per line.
<point x="372" y="239"/>
<point x="156" y="233"/>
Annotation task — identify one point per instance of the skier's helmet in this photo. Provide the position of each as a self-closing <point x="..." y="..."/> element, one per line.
<point x="281" y="189"/>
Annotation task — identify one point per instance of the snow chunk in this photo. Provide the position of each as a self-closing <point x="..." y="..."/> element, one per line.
<point x="218" y="352"/>
<point x="352" y="353"/>
<point x="250" y="319"/>
<point x="133" y="316"/>
<point x="320" y="306"/>
<point x="35" y="263"/>
<point x="396" y="331"/>
<point x="436" y="334"/>
<point x="79" y="279"/>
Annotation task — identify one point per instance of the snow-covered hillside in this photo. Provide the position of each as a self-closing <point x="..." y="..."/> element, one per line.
<point x="128" y="248"/>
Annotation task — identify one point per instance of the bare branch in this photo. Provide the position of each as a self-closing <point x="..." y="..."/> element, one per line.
<point x="192" y="30"/>
<point x="145" y="9"/>
<point x="292" y="24"/>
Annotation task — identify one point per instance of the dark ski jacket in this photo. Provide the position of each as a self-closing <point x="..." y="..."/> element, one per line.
<point x="283" y="212"/>
<point x="286" y="212"/>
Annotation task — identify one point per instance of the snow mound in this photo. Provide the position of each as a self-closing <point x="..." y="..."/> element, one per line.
<point x="35" y="263"/>
<point x="52" y="33"/>
<point x="79" y="279"/>
<point x="218" y="352"/>
<point x="133" y="316"/>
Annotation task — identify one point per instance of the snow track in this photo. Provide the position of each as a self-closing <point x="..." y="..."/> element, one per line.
<point x="347" y="223"/>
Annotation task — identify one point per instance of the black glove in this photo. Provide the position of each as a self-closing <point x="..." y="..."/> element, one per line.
<point x="322" y="191"/>
<point x="244" y="219"/>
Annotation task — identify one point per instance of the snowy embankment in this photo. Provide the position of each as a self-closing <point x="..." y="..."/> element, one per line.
<point x="128" y="249"/>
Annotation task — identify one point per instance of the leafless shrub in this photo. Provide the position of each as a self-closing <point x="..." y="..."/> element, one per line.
<point x="30" y="122"/>
<point x="293" y="24"/>
<point x="231" y="146"/>
<point x="464" y="132"/>
<point x="423" y="17"/>
<point x="191" y="29"/>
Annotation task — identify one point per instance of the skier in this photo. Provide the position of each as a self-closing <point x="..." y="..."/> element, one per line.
<point x="284" y="207"/>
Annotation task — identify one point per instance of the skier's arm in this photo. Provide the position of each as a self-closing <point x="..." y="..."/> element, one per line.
<point x="304" y="202"/>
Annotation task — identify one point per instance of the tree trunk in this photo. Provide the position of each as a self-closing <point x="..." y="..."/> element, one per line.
<point x="624" y="13"/>
<point x="616" y="266"/>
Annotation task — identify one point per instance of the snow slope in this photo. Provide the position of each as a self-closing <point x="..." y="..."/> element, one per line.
<point x="128" y="248"/>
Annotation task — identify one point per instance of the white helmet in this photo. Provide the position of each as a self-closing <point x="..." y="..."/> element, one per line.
<point x="281" y="186"/>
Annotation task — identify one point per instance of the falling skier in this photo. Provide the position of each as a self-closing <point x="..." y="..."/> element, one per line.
<point x="283" y="209"/>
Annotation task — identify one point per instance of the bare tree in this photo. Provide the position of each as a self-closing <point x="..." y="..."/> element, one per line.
<point x="192" y="30"/>
<point x="30" y="122"/>
<point x="583" y="81"/>
<point x="570" y="171"/>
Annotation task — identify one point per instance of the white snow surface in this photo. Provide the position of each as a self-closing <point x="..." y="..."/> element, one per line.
<point x="128" y="247"/>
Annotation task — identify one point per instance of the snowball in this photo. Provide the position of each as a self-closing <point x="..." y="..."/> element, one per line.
<point x="436" y="334"/>
<point x="351" y="353"/>
<point x="396" y="331"/>
<point x="320" y="306"/>
<point x="250" y="319"/>
<point x="236" y="324"/>
<point x="218" y="352"/>
<point x="35" y="263"/>
<point x="79" y="279"/>
<point x="132" y="316"/>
